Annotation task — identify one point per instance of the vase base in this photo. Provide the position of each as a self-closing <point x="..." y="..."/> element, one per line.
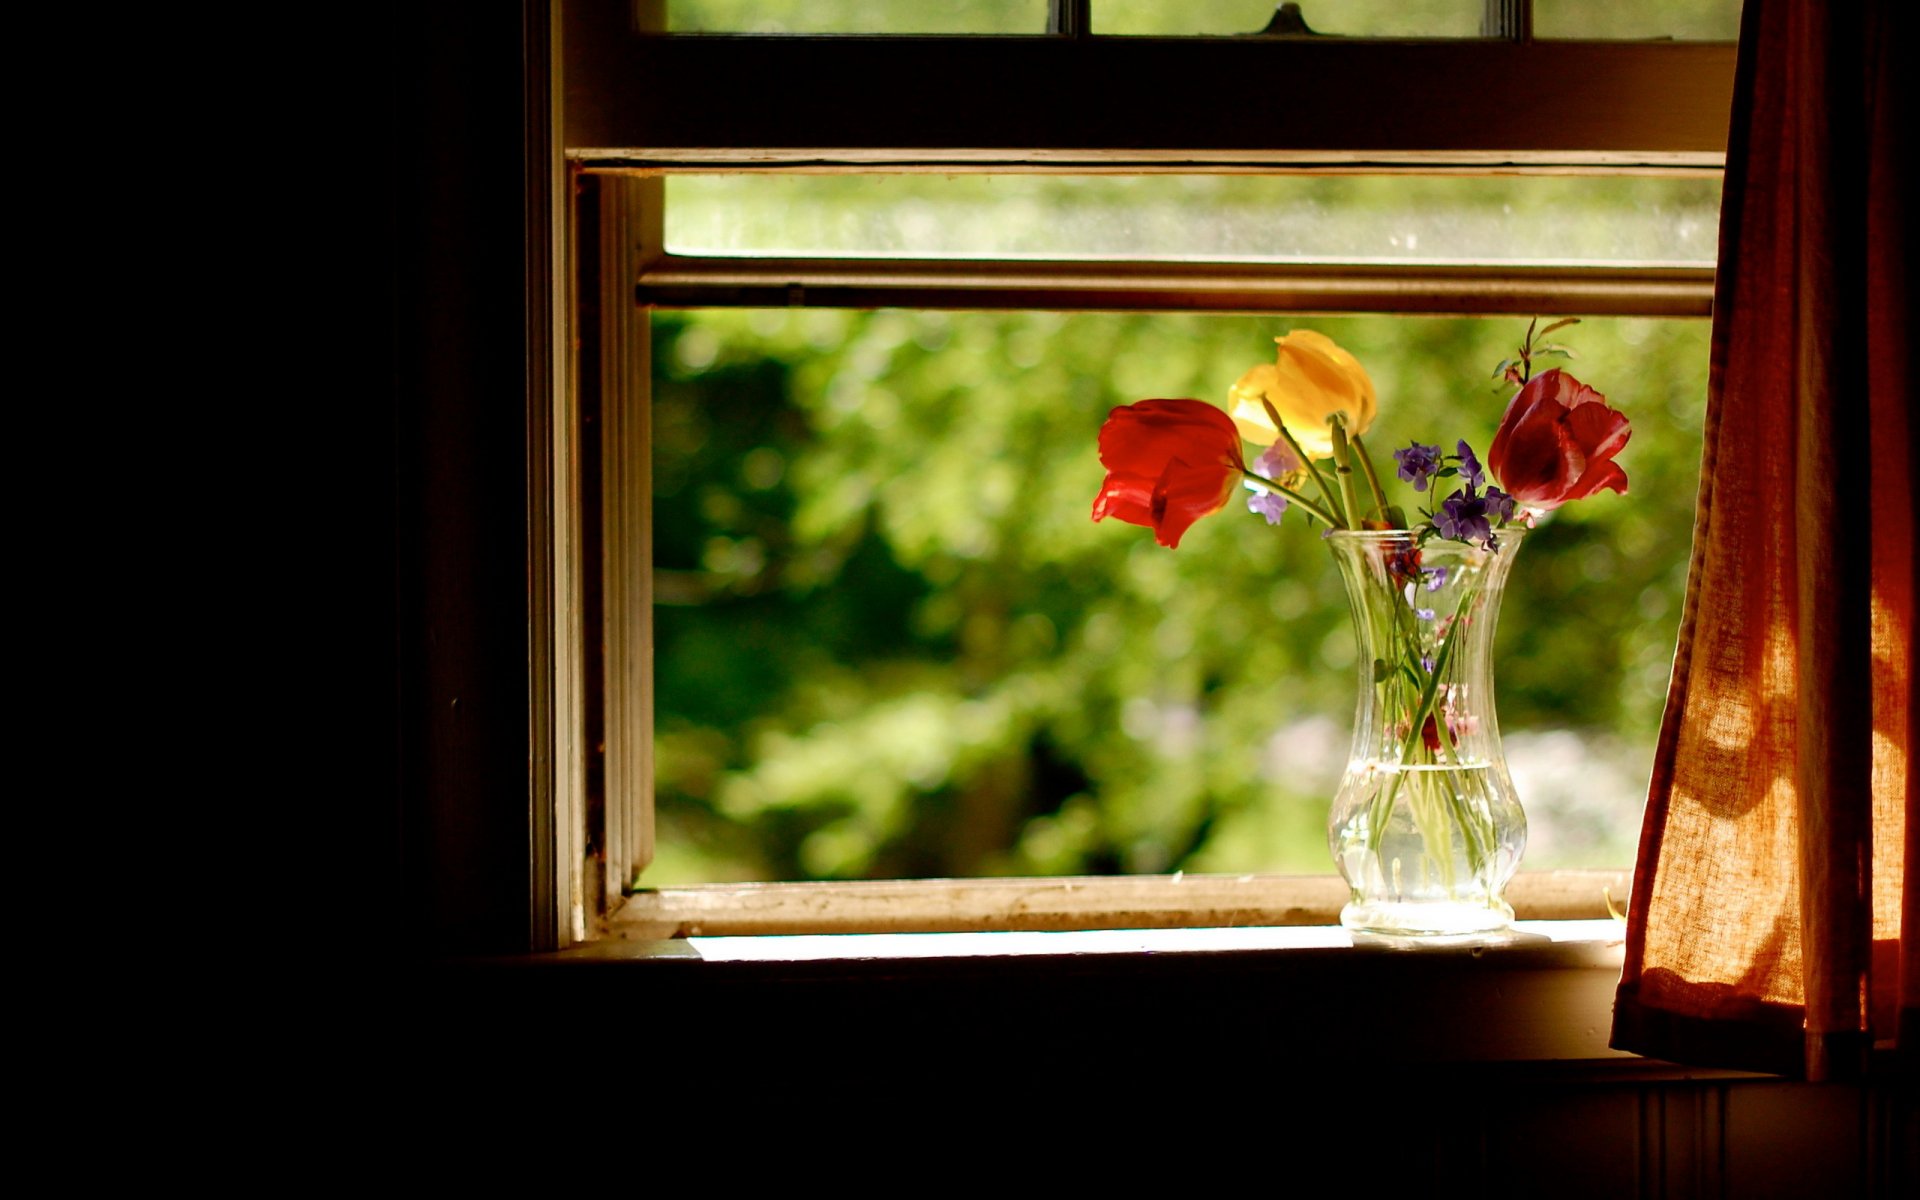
<point x="1426" y="918"/>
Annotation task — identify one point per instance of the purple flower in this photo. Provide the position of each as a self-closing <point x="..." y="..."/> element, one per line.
<point x="1425" y="614"/>
<point x="1276" y="463"/>
<point x="1270" y="505"/>
<point x="1436" y="578"/>
<point x="1463" y="517"/>
<point x="1470" y="467"/>
<point x="1417" y="464"/>
<point x="1501" y="505"/>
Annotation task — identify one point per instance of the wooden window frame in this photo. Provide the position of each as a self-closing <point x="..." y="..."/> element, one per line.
<point x="641" y="106"/>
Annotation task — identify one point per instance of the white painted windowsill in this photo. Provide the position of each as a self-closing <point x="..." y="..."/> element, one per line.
<point x="1600" y="943"/>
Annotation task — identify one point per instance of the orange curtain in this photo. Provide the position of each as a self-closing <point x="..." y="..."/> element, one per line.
<point x="1772" y="887"/>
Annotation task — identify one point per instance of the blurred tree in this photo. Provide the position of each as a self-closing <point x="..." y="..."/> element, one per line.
<point x="891" y="642"/>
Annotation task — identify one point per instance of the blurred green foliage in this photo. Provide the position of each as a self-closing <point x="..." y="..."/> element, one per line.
<point x="891" y="643"/>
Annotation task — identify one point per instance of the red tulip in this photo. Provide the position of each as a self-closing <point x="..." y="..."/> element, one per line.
<point x="1556" y="443"/>
<point x="1169" y="463"/>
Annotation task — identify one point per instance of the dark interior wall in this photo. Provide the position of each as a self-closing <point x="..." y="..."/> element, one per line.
<point x="1183" y="1064"/>
<point x="448" y="840"/>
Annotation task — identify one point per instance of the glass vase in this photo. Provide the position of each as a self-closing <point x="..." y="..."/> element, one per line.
<point x="1426" y="827"/>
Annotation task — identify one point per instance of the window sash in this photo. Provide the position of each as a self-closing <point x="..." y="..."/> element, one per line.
<point x="641" y="106"/>
<point x="663" y="102"/>
<point x="671" y="281"/>
<point x="1060" y="903"/>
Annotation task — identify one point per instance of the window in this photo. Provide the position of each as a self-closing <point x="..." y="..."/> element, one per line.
<point x="1647" y="110"/>
<point x="495" y="840"/>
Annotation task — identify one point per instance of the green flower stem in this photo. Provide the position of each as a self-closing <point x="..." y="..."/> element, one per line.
<point x="1404" y="634"/>
<point x="1343" y="468"/>
<point x="1281" y="489"/>
<point x="1373" y="480"/>
<point x="1293" y="444"/>
<point x="1478" y="840"/>
<point x="1376" y="828"/>
<point x="1477" y="823"/>
<point x="1462" y="816"/>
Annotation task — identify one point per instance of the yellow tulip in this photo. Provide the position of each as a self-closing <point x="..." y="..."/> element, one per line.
<point x="1311" y="380"/>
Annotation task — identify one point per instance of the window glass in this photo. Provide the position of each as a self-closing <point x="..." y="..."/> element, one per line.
<point x="1669" y="219"/>
<point x="1691" y="20"/>
<point x="891" y="642"/>
<point x="1682" y="20"/>
<point x="1349" y="18"/>
<point x="857" y="16"/>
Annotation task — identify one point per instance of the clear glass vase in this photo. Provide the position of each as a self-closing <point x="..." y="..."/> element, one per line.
<point x="1426" y="827"/>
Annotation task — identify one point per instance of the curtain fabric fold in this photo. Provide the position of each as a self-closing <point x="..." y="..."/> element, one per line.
<point x="1771" y="892"/>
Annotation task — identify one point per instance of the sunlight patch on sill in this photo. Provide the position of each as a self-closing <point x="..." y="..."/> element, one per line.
<point x="1604" y="935"/>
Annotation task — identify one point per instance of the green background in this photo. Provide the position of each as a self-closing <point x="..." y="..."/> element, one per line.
<point x="891" y="642"/>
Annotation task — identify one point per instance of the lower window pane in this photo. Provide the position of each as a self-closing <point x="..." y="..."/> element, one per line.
<point x="891" y="642"/>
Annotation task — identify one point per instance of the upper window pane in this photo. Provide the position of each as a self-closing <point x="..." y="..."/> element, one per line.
<point x="1345" y="18"/>
<point x="1213" y="218"/>
<point x="857" y="16"/>
<point x="1681" y="20"/>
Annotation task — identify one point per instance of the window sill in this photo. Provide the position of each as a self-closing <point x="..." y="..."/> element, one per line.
<point x="1536" y="1001"/>
<point x="1569" y="943"/>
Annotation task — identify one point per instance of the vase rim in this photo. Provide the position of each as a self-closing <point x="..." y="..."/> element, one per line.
<point x="1387" y="535"/>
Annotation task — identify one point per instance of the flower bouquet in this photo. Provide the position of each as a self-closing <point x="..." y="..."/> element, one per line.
<point x="1425" y="826"/>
